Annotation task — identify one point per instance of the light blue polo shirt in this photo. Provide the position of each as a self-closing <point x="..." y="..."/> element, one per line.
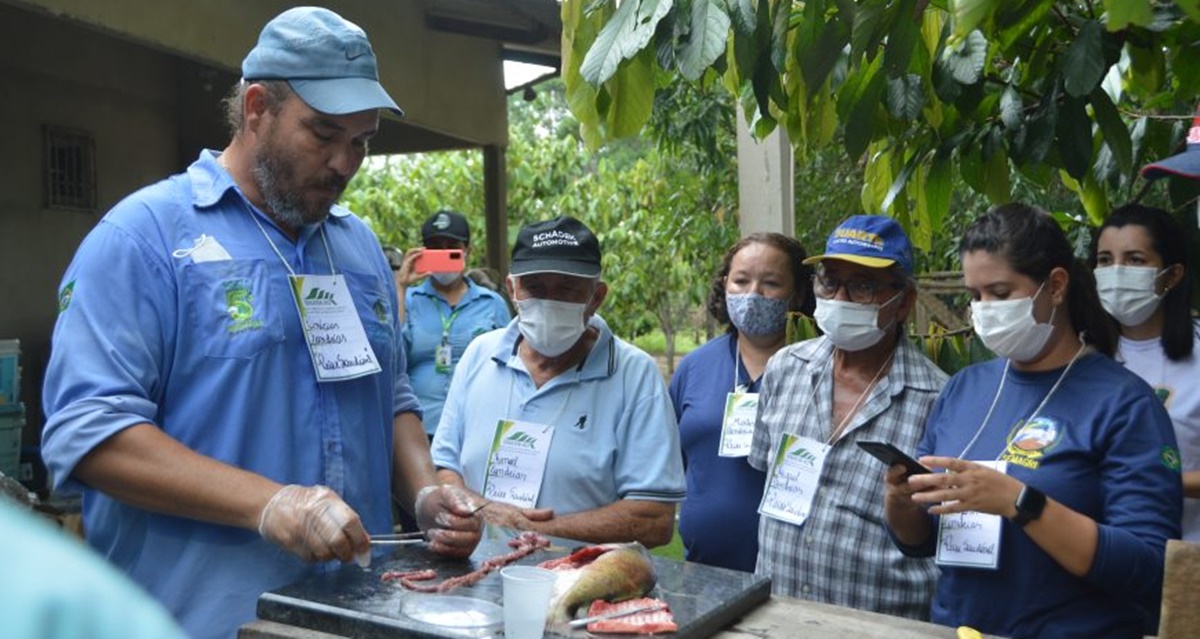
<point x="425" y="314"/>
<point x="211" y="352"/>
<point x="614" y="438"/>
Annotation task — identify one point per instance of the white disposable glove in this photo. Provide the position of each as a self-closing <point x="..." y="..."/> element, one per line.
<point x="447" y="515"/>
<point x="314" y="523"/>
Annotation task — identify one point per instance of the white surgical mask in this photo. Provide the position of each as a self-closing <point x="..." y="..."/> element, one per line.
<point x="550" y="327"/>
<point x="1127" y="292"/>
<point x="1008" y="328"/>
<point x="849" y="325"/>
<point x="445" y="279"/>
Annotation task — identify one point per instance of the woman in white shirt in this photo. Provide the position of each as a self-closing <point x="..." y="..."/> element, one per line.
<point x="1140" y="261"/>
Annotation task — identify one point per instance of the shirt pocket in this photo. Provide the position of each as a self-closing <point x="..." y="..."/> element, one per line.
<point x="233" y="306"/>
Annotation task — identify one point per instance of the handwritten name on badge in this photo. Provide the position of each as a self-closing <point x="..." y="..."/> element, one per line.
<point x="337" y="343"/>
<point x="517" y="462"/>
<point x="737" y="427"/>
<point x="970" y="539"/>
<point x="793" y="479"/>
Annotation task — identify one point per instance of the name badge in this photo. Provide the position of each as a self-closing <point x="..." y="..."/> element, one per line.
<point x="442" y="357"/>
<point x="971" y="539"/>
<point x="336" y="340"/>
<point x="517" y="462"/>
<point x="737" y="427"/>
<point x="793" y="479"/>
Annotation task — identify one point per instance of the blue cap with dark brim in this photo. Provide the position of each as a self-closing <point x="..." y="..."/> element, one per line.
<point x="326" y="59"/>
<point x="1186" y="164"/>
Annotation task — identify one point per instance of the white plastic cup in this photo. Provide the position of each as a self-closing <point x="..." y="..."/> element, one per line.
<point x="527" y="592"/>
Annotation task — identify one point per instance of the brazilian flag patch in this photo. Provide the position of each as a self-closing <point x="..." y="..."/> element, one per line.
<point x="64" y="296"/>
<point x="1170" y="458"/>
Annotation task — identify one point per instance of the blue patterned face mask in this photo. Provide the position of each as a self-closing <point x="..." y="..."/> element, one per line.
<point x="753" y="314"/>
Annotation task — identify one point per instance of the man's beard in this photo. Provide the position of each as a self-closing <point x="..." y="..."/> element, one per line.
<point x="275" y="176"/>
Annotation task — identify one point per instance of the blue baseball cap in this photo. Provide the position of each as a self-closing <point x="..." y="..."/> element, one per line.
<point x="326" y="59"/>
<point x="876" y="241"/>
<point x="1186" y="164"/>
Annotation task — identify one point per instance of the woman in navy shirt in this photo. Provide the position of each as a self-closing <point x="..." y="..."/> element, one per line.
<point x="761" y="279"/>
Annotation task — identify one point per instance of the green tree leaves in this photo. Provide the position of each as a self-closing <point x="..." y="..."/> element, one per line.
<point x="1050" y="88"/>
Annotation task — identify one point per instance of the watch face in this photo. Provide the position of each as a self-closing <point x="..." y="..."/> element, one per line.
<point x="1030" y="504"/>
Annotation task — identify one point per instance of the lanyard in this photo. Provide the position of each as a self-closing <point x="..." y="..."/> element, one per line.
<point x="447" y="321"/>
<point x="737" y="362"/>
<point x="332" y="270"/>
<point x="1045" y="400"/>
<point x="866" y="391"/>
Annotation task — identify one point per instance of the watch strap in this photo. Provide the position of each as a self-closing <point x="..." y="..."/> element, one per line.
<point x="1030" y="504"/>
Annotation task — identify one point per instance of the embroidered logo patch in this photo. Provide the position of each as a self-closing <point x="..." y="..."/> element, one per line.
<point x="1028" y="442"/>
<point x="64" y="296"/>
<point x="239" y="305"/>
<point x="1170" y="458"/>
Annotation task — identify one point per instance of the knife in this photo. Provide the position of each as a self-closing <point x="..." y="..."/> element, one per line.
<point x="399" y="539"/>
<point x="580" y="623"/>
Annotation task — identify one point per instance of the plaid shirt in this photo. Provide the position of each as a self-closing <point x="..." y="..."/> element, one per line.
<point x="842" y="554"/>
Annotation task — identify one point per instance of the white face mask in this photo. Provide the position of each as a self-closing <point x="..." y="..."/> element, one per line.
<point x="1008" y="328"/>
<point x="849" y="325"/>
<point x="550" y="327"/>
<point x="1127" y="292"/>
<point x="445" y="279"/>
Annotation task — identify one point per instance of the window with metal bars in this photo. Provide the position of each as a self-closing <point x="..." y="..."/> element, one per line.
<point x="70" y="168"/>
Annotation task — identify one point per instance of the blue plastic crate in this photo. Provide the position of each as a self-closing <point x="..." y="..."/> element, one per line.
<point x="10" y="372"/>
<point x="11" y="425"/>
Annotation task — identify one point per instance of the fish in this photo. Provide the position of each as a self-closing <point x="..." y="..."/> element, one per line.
<point x="607" y="572"/>
<point x="648" y="622"/>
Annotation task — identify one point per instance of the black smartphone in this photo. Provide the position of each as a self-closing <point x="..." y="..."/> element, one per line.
<point x="890" y="455"/>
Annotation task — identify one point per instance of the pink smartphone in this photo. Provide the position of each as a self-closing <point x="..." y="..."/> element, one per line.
<point x="439" y="261"/>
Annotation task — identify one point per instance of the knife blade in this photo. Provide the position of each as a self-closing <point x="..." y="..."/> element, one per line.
<point x="580" y="623"/>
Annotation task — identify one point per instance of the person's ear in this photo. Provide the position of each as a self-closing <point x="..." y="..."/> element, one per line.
<point x="598" y="297"/>
<point x="1058" y="281"/>
<point x="1171" y="278"/>
<point x="254" y="106"/>
<point x="510" y="285"/>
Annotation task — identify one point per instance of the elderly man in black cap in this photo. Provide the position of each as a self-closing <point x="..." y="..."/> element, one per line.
<point x="565" y="429"/>
<point x="228" y="382"/>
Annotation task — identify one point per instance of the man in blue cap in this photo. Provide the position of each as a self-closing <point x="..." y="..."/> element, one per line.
<point x="227" y="385"/>
<point x="821" y="533"/>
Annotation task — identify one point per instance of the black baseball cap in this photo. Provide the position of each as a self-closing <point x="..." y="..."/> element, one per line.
<point x="446" y="224"/>
<point x="562" y="245"/>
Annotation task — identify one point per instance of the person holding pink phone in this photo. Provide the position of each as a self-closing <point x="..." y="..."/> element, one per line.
<point x="444" y="312"/>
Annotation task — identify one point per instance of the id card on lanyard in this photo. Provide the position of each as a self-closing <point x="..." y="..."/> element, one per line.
<point x="793" y="479"/>
<point x="970" y="539"/>
<point x="334" y="333"/>
<point x="517" y="462"/>
<point x="443" y="357"/>
<point x="737" y="426"/>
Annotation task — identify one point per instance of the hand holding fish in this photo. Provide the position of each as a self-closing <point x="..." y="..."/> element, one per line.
<point x="447" y="515"/>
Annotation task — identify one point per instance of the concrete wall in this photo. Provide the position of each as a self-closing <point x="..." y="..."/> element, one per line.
<point x="445" y="83"/>
<point x="145" y="80"/>
<point x="71" y="77"/>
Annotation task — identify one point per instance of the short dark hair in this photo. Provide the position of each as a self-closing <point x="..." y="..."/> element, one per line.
<point x="1168" y="239"/>
<point x="802" y="299"/>
<point x="1034" y="244"/>
<point x="278" y="92"/>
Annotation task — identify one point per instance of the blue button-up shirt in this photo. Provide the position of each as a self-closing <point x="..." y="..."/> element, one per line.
<point x="158" y="326"/>
<point x="426" y="316"/>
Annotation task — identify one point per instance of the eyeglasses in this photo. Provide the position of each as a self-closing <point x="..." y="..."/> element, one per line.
<point x="859" y="291"/>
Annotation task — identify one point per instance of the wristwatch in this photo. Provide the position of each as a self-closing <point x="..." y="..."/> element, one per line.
<point x="1030" y="504"/>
